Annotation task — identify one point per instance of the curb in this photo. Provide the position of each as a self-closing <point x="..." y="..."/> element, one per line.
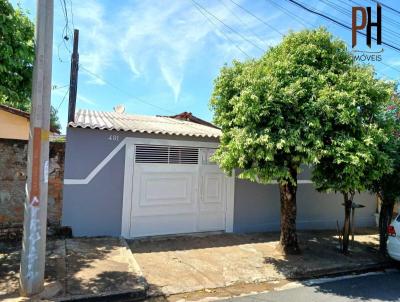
<point x="139" y="294"/>
<point x="334" y="272"/>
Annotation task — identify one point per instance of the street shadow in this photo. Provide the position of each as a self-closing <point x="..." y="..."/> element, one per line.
<point x="356" y="288"/>
<point x="10" y="255"/>
<point x="321" y="257"/>
<point x="95" y="266"/>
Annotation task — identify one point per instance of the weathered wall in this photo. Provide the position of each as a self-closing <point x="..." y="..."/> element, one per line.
<point x="13" y="157"/>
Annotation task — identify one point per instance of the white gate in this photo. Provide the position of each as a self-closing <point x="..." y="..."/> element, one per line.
<point x="176" y="189"/>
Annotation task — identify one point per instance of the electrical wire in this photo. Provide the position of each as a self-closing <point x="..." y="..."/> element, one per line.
<point x="227" y="26"/>
<point x="387" y="6"/>
<point x="289" y="13"/>
<point x="256" y="17"/>
<point x="243" y="22"/>
<point x="123" y="91"/>
<point x="315" y="12"/>
<point x="346" y="12"/>
<point x="222" y="32"/>
<point x="55" y="87"/>
<point x="130" y="95"/>
<point x="62" y="101"/>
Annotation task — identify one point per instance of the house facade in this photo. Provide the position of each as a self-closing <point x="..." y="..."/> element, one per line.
<point x="136" y="176"/>
<point x="14" y="123"/>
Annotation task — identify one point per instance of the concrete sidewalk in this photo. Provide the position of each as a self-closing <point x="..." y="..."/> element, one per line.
<point x="195" y="267"/>
<point x="90" y="269"/>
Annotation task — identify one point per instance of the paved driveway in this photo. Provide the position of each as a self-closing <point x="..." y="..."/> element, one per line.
<point x="193" y="263"/>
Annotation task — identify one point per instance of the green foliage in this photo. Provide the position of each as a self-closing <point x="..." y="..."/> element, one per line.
<point x="388" y="186"/>
<point x="16" y="57"/>
<point x="352" y="107"/>
<point x="269" y="109"/>
<point x="17" y="54"/>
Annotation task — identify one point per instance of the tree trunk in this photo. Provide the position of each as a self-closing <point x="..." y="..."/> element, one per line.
<point x="288" y="239"/>
<point x="348" y="201"/>
<point x="385" y="217"/>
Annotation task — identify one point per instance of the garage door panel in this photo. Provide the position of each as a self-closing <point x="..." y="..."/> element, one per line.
<point x="169" y="198"/>
<point x="166" y="188"/>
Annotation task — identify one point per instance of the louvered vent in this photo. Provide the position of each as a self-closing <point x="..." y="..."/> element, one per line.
<point x="166" y="154"/>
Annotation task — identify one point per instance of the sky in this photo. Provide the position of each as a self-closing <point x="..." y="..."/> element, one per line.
<point x="161" y="57"/>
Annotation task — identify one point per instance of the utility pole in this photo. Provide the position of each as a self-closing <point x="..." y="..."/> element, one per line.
<point x="35" y="216"/>
<point x="73" y="81"/>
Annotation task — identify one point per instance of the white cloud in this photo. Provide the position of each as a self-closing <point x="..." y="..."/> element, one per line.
<point x="172" y="32"/>
<point x="86" y="100"/>
<point x="157" y="41"/>
<point x="96" y="50"/>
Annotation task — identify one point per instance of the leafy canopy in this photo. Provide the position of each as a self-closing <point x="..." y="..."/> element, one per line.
<point x="17" y="54"/>
<point x="388" y="185"/>
<point x="16" y="57"/>
<point x="352" y="107"/>
<point x="269" y="109"/>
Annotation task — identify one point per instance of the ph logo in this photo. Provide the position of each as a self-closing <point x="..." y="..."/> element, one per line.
<point x="366" y="21"/>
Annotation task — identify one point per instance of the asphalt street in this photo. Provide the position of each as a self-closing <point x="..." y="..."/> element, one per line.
<point x="369" y="287"/>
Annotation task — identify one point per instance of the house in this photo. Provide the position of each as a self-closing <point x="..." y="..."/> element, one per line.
<point x="14" y="123"/>
<point x="134" y="176"/>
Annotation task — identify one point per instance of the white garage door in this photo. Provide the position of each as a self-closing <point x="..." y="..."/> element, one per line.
<point x="176" y="190"/>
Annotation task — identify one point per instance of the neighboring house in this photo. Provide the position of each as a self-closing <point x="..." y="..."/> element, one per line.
<point x="133" y="176"/>
<point x="14" y="123"/>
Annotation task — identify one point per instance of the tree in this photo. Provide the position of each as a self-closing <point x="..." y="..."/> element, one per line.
<point x="388" y="186"/>
<point x="17" y="54"/>
<point x="268" y="111"/>
<point x="352" y="158"/>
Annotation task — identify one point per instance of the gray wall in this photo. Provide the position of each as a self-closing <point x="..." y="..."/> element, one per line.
<point x="257" y="207"/>
<point x="95" y="209"/>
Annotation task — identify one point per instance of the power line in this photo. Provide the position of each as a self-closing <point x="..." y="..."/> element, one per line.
<point x="346" y="12"/>
<point x="387" y="18"/>
<point x="123" y="91"/>
<point x="337" y="22"/>
<point x="227" y="26"/>
<point x="130" y="95"/>
<point x="258" y="18"/>
<point x="222" y="32"/>
<point x="242" y="21"/>
<point x="387" y="6"/>
<point x="62" y="101"/>
<point x="289" y="13"/>
<point x="55" y="87"/>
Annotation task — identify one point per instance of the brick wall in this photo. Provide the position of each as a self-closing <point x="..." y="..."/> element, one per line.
<point x="13" y="157"/>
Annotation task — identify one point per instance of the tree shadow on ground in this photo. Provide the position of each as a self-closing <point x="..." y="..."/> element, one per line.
<point x="10" y="255"/>
<point x="80" y="265"/>
<point x="95" y="266"/>
<point x="356" y="289"/>
<point x="321" y="256"/>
